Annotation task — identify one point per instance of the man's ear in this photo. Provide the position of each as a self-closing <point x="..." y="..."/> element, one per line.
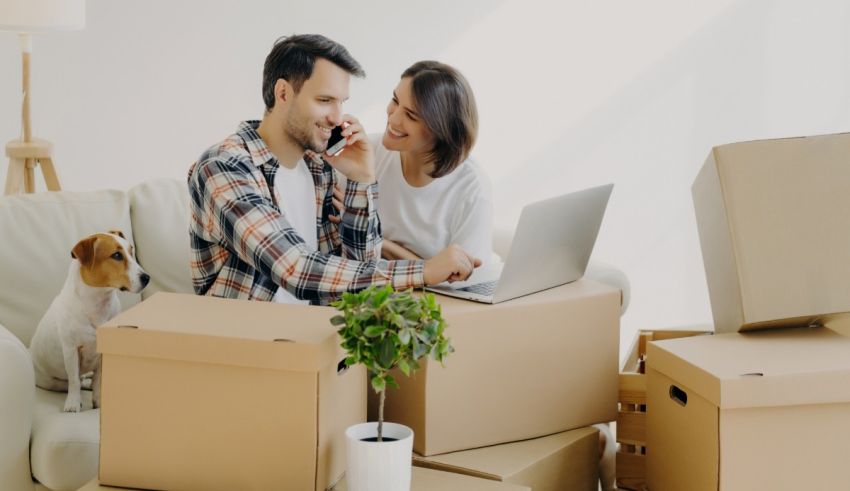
<point x="84" y="250"/>
<point x="283" y="91"/>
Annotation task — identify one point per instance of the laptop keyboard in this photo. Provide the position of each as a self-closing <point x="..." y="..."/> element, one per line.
<point x="487" y="288"/>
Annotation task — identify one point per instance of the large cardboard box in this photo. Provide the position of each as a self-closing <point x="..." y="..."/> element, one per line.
<point x="773" y="224"/>
<point x="530" y="367"/>
<point x="738" y="412"/>
<point x="213" y="394"/>
<point x="568" y="460"/>
<point x="631" y="418"/>
<point x="421" y="480"/>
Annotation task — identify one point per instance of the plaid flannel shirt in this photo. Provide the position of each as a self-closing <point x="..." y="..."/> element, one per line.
<point x="243" y="247"/>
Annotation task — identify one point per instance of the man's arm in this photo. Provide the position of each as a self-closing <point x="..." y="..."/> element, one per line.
<point x="249" y="227"/>
<point x="359" y="228"/>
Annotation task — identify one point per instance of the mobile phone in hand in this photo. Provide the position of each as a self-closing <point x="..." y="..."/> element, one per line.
<point x="336" y="143"/>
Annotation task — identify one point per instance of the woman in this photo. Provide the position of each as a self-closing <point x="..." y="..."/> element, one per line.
<point x="431" y="195"/>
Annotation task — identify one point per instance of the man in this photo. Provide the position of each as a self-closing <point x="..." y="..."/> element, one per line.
<point x="262" y="200"/>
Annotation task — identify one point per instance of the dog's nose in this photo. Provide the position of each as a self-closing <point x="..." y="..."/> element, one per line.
<point x="146" y="278"/>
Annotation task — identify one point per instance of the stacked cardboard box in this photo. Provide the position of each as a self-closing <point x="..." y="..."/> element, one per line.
<point x="421" y="480"/>
<point x="567" y="460"/>
<point x="766" y="404"/>
<point x="217" y="394"/>
<point x="529" y="368"/>
<point x="631" y="418"/>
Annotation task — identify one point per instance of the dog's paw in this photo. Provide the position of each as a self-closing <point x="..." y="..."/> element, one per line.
<point x="73" y="404"/>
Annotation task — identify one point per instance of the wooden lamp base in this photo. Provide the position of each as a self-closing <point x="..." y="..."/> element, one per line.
<point x="23" y="159"/>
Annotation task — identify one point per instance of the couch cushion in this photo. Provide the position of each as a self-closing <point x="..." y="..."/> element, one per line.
<point x="160" y="213"/>
<point x="65" y="446"/>
<point x="38" y="232"/>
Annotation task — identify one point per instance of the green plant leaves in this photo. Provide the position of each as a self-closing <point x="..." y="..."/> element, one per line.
<point x="382" y="329"/>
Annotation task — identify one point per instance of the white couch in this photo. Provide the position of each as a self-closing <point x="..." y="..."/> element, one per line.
<point x="37" y="440"/>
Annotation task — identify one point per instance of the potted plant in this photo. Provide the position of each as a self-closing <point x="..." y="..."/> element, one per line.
<point x="384" y="329"/>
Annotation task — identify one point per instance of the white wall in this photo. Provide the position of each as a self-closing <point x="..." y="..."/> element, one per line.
<point x="571" y="94"/>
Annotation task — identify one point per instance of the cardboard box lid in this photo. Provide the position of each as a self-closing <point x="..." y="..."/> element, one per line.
<point x="790" y="193"/>
<point x="233" y="332"/>
<point x="501" y="462"/>
<point x="761" y="369"/>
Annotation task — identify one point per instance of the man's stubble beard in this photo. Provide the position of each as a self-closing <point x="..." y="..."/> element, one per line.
<point x="299" y="131"/>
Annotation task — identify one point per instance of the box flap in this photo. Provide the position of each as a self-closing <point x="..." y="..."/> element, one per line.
<point x="214" y="330"/>
<point x="501" y="462"/>
<point x="781" y="367"/>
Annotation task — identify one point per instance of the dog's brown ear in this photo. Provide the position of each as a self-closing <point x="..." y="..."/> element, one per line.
<point x="118" y="233"/>
<point x="84" y="250"/>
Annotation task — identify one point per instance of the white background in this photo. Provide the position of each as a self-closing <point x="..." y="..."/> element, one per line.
<point x="571" y="94"/>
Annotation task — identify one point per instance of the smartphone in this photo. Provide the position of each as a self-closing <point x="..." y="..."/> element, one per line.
<point x="336" y="143"/>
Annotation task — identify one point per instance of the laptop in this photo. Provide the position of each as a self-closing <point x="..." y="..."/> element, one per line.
<point x="551" y="247"/>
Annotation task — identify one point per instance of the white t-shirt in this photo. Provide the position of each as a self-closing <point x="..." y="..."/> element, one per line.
<point x="296" y="196"/>
<point x="453" y="209"/>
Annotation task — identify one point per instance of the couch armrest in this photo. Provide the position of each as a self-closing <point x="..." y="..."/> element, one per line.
<point x="17" y="400"/>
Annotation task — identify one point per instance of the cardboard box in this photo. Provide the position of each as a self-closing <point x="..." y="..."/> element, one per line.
<point x="631" y="418"/>
<point x="767" y="410"/>
<point x="530" y="367"/>
<point x="214" y="394"/>
<point x="568" y="460"/>
<point x="421" y="480"/>
<point x="773" y="225"/>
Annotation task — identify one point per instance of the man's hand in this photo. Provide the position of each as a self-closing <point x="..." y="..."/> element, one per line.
<point x="357" y="160"/>
<point x="451" y="264"/>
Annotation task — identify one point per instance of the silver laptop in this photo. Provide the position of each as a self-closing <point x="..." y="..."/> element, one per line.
<point x="551" y="247"/>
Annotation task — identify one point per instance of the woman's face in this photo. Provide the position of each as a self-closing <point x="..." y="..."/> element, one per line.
<point x="406" y="131"/>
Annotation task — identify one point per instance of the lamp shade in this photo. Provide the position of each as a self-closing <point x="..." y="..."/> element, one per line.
<point x="42" y="15"/>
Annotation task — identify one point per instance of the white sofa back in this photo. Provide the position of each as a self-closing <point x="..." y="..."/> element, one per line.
<point x="159" y="210"/>
<point x="38" y="231"/>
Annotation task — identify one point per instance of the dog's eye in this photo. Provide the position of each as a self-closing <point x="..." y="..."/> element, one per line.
<point x="118" y="256"/>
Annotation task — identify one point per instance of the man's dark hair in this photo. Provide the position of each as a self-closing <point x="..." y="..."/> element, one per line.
<point x="292" y="58"/>
<point x="445" y="102"/>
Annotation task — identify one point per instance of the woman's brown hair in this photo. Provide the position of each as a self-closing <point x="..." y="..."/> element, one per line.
<point x="446" y="104"/>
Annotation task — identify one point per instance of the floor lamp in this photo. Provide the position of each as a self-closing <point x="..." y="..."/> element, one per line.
<point x="25" y="17"/>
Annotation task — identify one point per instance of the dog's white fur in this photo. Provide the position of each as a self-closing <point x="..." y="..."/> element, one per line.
<point x="63" y="347"/>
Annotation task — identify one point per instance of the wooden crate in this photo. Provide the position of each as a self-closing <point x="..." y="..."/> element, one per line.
<point x="631" y="419"/>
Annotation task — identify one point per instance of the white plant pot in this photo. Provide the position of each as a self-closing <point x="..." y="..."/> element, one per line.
<point x="379" y="466"/>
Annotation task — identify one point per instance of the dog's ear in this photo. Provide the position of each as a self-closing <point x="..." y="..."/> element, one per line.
<point x="118" y="233"/>
<point x="84" y="250"/>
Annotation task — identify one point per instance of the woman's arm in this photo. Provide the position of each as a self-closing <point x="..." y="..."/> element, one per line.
<point x="392" y="251"/>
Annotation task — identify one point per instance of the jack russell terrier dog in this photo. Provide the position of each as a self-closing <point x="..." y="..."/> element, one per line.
<point x="63" y="347"/>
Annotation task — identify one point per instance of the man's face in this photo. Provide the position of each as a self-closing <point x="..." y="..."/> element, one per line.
<point x="317" y="108"/>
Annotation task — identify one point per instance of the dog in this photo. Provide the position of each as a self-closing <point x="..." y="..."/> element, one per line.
<point x="63" y="347"/>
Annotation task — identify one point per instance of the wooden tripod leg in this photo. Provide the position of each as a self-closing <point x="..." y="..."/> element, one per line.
<point x="50" y="177"/>
<point x="14" y="176"/>
<point x="29" y="175"/>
